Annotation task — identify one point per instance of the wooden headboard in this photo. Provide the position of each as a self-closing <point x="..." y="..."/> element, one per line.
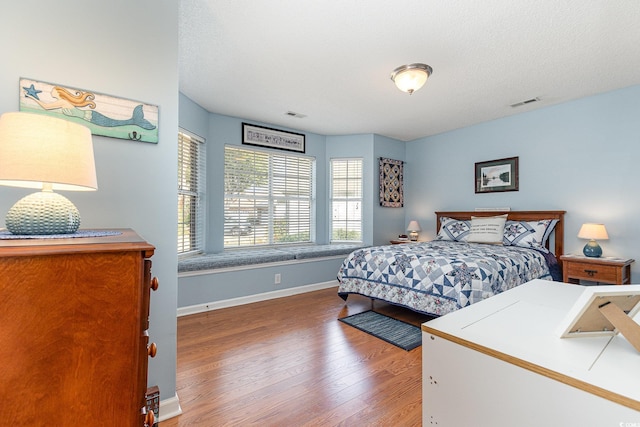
<point x="558" y="232"/>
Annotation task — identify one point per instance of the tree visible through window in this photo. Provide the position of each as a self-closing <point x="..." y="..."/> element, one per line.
<point x="191" y="188"/>
<point x="346" y="200"/>
<point x="268" y="198"/>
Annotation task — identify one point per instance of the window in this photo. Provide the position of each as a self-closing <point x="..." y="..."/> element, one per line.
<point x="346" y="200"/>
<point x="268" y="198"/>
<point x="191" y="190"/>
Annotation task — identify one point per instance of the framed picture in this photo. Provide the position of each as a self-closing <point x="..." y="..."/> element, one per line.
<point x="497" y="175"/>
<point x="604" y="311"/>
<point x="272" y="138"/>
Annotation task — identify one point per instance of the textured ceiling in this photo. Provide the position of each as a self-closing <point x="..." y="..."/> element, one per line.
<point x="330" y="60"/>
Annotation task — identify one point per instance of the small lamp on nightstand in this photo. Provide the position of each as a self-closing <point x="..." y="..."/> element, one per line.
<point x="413" y="228"/>
<point x="593" y="232"/>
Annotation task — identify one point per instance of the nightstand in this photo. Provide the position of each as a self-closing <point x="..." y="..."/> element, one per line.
<point x="399" y="242"/>
<point x="614" y="271"/>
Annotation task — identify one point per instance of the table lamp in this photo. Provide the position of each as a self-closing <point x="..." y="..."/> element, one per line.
<point x="593" y="232"/>
<point x="413" y="228"/>
<point x="39" y="151"/>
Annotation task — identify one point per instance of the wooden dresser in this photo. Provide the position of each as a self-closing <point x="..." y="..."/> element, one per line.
<point x="74" y="345"/>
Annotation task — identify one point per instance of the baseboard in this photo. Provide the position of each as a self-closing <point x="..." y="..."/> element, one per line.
<point x="169" y="408"/>
<point x="216" y="305"/>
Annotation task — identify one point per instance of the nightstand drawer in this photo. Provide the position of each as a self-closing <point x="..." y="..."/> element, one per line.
<point x="613" y="271"/>
<point x="593" y="272"/>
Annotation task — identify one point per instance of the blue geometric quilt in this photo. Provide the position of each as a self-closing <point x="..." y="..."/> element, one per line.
<point x="438" y="277"/>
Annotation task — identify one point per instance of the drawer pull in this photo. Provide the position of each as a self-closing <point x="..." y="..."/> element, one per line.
<point x="154" y="284"/>
<point x="149" y="417"/>
<point x="591" y="273"/>
<point x="152" y="349"/>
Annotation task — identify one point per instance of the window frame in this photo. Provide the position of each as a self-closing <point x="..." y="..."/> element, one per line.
<point x="346" y="199"/>
<point x="195" y="228"/>
<point x="258" y="213"/>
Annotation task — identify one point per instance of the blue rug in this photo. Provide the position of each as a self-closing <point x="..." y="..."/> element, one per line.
<point x="393" y="331"/>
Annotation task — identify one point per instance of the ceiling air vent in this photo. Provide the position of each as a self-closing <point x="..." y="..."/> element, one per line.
<point x="297" y="115"/>
<point x="528" y="101"/>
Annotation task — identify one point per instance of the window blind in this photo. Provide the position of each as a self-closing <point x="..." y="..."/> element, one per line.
<point x="346" y="200"/>
<point x="191" y="192"/>
<point x="269" y="198"/>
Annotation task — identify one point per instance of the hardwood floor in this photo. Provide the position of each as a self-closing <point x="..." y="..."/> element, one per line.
<point x="290" y="362"/>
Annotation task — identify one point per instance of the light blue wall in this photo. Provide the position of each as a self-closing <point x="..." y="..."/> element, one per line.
<point x="388" y="222"/>
<point x="193" y="117"/>
<point x="580" y="156"/>
<point x="125" y="49"/>
<point x="225" y="285"/>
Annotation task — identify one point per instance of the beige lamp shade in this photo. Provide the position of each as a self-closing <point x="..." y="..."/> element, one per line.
<point x="414" y="226"/>
<point x="37" y="149"/>
<point x="593" y="232"/>
<point x="413" y="229"/>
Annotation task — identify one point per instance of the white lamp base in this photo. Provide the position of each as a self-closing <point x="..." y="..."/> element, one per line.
<point x="44" y="212"/>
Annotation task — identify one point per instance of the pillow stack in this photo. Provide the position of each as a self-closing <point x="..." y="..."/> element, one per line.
<point x="497" y="230"/>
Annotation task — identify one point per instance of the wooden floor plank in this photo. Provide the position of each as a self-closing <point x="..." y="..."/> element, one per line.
<point x="290" y="362"/>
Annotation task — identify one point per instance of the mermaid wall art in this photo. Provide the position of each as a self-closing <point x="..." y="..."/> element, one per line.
<point x="105" y="115"/>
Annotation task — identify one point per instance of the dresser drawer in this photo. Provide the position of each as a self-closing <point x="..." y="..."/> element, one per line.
<point x="593" y="272"/>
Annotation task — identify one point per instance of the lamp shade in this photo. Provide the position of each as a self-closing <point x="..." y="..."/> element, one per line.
<point x="413" y="229"/>
<point x="409" y="78"/>
<point x="37" y="149"/>
<point x="593" y="232"/>
<point x="414" y="226"/>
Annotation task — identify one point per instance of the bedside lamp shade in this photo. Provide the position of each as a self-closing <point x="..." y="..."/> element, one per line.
<point x="39" y="151"/>
<point x="593" y="232"/>
<point x="413" y="228"/>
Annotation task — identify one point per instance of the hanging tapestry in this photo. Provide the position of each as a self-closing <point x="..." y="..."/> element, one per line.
<point x="391" y="183"/>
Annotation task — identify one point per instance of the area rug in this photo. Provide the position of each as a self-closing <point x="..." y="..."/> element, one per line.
<point x="393" y="331"/>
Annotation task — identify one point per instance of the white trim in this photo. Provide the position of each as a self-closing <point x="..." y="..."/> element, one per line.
<point x="261" y="265"/>
<point x="216" y="305"/>
<point x="169" y="408"/>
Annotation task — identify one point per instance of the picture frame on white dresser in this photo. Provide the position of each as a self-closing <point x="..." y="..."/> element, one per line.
<point x="586" y="317"/>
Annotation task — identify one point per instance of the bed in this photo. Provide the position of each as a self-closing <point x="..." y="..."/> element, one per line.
<point x="454" y="271"/>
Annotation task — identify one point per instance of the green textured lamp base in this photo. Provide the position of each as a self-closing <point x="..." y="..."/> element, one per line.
<point x="44" y="212"/>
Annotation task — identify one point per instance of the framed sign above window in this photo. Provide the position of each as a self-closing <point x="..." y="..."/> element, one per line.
<point x="272" y="138"/>
<point x="497" y="175"/>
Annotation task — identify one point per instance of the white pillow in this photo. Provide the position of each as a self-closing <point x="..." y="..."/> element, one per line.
<point x="487" y="229"/>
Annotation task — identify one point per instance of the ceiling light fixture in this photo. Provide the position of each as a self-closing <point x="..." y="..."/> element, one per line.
<point x="410" y="78"/>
